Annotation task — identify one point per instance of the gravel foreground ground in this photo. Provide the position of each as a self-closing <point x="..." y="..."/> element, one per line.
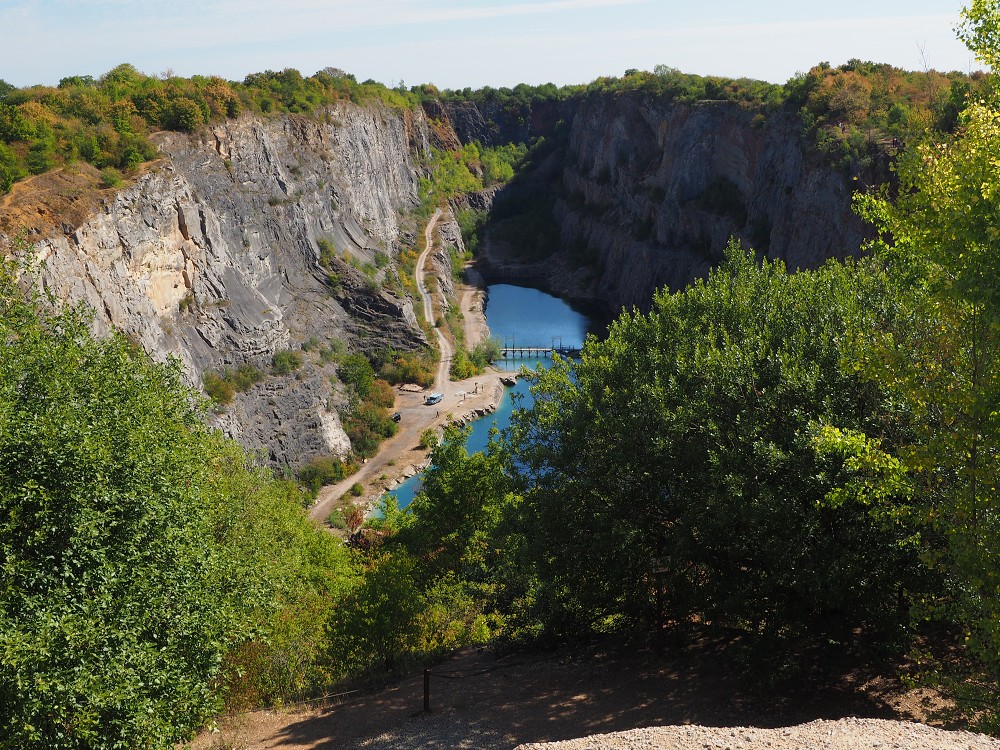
<point x="843" y="734"/>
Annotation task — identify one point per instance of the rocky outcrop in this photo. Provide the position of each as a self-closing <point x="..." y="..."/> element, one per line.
<point x="213" y="256"/>
<point x="648" y="194"/>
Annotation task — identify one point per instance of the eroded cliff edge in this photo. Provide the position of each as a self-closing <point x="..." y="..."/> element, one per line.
<point x="213" y="256"/>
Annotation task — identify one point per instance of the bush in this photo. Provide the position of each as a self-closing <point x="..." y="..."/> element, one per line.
<point x="218" y="387"/>
<point x="367" y="426"/>
<point x="336" y="519"/>
<point x="222" y="387"/>
<point x="409" y="368"/>
<point x="111" y="177"/>
<point x="382" y="394"/>
<point x="356" y="371"/>
<point x="327" y="252"/>
<point x="324" y="470"/>
<point x="286" y="362"/>
<point x="429" y="439"/>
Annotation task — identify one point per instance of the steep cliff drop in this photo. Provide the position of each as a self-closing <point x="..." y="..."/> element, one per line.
<point x="632" y="194"/>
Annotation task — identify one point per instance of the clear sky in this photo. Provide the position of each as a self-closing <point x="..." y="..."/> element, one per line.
<point x="458" y="43"/>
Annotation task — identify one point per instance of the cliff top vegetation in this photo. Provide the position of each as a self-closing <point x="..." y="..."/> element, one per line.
<point x="107" y="121"/>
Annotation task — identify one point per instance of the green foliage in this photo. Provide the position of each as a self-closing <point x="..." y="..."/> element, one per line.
<point x="500" y="163"/>
<point x="183" y="113"/>
<point x="138" y="547"/>
<point x="218" y="387"/>
<point x="10" y="170"/>
<point x="367" y="426"/>
<point x="356" y="371"/>
<point x="111" y="177"/>
<point x="945" y="364"/>
<point x="336" y="519"/>
<point x="448" y="176"/>
<point x="324" y="470"/>
<point x="471" y="222"/>
<point x="409" y="368"/>
<point x="469" y="364"/>
<point x="428" y="438"/>
<point x="461" y="366"/>
<point x="381" y="394"/>
<point x="427" y="585"/>
<point x="327" y="252"/>
<point x="107" y="121"/>
<point x="222" y="387"/>
<point x="683" y="443"/>
<point x="980" y="30"/>
<point x="286" y="362"/>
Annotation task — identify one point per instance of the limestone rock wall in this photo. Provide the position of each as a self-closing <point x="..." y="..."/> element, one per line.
<point x="212" y="256"/>
<point x="648" y="195"/>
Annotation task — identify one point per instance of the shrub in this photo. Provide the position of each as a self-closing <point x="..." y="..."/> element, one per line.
<point x="429" y="439"/>
<point x="286" y="362"/>
<point x="111" y="177"/>
<point x="327" y="252"/>
<point x="324" y="470"/>
<point x="382" y="394"/>
<point x="218" y="387"/>
<point x="336" y="519"/>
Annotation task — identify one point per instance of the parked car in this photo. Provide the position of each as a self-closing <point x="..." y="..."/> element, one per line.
<point x="396" y="416"/>
<point x="434" y="398"/>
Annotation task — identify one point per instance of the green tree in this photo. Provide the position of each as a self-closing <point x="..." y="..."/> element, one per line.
<point x="685" y="443"/>
<point x="115" y="607"/>
<point x="137" y="547"/>
<point x="945" y="363"/>
<point x="10" y="170"/>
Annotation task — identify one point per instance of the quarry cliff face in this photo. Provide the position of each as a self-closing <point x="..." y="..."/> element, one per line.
<point x="648" y="195"/>
<point x="213" y="256"/>
<point x="220" y="254"/>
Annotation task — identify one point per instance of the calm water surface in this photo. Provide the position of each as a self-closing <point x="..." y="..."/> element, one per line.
<point x="518" y="317"/>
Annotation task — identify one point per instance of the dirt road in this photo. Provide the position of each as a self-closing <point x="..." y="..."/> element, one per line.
<point x="401" y="455"/>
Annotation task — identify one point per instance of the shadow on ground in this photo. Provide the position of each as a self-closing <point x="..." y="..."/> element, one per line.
<point x="607" y="688"/>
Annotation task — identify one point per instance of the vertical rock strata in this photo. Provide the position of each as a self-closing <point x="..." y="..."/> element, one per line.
<point x="212" y="256"/>
<point x="648" y="195"/>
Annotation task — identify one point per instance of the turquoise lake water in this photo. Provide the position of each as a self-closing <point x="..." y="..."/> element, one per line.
<point x="518" y="317"/>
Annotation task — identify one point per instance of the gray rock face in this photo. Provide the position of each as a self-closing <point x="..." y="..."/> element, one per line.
<point x="649" y="194"/>
<point x="212" y="257"/>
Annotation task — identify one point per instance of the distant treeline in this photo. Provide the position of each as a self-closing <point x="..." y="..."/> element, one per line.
<point x="107" y="121"/>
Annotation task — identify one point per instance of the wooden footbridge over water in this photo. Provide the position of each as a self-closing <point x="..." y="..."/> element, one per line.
<point x="539" y="352"/>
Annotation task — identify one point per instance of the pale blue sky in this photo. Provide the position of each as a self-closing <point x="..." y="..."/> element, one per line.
<point x="472" y="43"/>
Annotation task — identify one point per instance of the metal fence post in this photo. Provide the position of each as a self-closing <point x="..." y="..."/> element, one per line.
<point x="427" y="691"/>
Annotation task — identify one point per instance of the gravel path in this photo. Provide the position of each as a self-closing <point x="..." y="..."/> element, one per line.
<point x="843" y="734"/>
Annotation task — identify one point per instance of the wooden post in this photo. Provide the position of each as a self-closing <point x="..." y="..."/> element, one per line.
<point x="427" y="691"/>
